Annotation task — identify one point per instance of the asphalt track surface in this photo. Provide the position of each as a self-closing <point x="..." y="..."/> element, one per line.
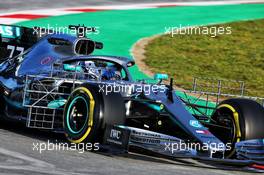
<point x="18" y="156"/>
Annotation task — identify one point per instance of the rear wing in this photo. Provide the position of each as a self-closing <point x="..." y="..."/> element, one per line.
<point x="19" y="33"/>
<point x="15" y="39"/>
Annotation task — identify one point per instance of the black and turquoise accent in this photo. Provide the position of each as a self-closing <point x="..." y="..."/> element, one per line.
<point x="77" y="114"/>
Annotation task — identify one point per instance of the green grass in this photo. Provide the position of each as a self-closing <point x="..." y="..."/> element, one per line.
<point x="238" y="56"/>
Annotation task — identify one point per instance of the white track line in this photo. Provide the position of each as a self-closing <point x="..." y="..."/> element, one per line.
<point x="74" y="10"/>
<point x="11" y="20"/>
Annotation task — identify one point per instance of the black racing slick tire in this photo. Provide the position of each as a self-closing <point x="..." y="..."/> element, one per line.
<point x="87" y="112"/>
<point x="2" y="104"/>
<point x="243" y="117"/>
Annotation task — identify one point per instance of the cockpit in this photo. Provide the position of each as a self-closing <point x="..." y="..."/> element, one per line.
<point x="97" y="69"/>
<point x="103" y="70"/>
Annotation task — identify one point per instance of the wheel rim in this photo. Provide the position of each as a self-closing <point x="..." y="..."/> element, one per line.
<point x="225" y="118"/>
<point x="77" y="115"/>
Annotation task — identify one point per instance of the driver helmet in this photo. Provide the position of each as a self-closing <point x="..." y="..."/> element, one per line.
<point x="89" y="64"/>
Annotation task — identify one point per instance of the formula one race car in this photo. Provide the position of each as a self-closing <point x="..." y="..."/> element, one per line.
<point x="53" y="82"/>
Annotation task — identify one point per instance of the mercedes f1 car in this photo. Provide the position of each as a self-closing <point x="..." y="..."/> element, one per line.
<point x="53" y="82"/>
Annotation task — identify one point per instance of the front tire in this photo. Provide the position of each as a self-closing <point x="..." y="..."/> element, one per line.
<point x="87" y="112"/>
<point x="243" y="117"/>
<point x="81" y="115"/>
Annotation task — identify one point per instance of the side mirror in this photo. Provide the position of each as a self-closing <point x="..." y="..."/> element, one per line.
<point x="84" y="46"/>
<point x="161" y="77"/>
<point x="99" y="45"/>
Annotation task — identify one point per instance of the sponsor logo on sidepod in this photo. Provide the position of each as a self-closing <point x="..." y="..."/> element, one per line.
<point x="195" y="123"/>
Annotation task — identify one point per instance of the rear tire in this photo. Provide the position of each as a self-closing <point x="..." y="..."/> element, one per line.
<point x="2" y="104"/>
<point x="87" y="112"/>
<point x="244" y="117"/>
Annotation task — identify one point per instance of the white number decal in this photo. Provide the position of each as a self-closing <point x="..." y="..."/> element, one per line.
<point x="13" y="48"/>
